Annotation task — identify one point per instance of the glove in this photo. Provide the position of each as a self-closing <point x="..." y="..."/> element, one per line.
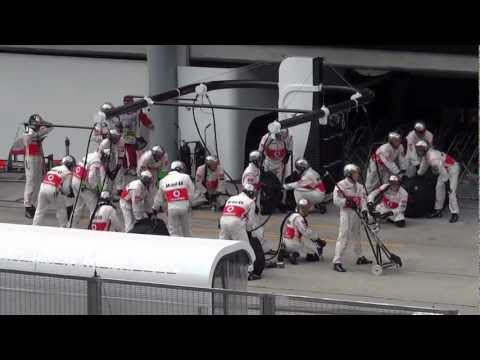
<point x="257" y="210"/>
<point x="371" y="206"/>
<point x="71" y="195"/>
<point x="351" y="204"/>
<point x="320" y="243"/>
<point x="365" y="214"/>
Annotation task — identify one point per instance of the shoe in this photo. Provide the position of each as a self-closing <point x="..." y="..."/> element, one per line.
<point x="454" y="218"/>
<point x="253" y="277"/>
<point x="339" y="268"/>
<point x="435" y="214"/>
<point x="30" y="212"/>
<point x="321" y="208"/>
<point x="362" y="260"/>
<point x="271" y="265"/>
<point x="293" y="257"/>
<point x="312" y="257"/>
<point x="400" y="223"/>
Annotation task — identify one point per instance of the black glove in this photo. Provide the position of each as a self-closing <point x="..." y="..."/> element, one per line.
<point x="371" y="206"/>
<point x="71" y="195"/>
<point x="387" y="215"/>
<point x="365" y="214"/>
<point x="320" y="243"/>
<point x="447" y="185"/>
<point x="257" y="210"/>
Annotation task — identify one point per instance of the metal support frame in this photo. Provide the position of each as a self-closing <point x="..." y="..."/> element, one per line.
<point x="94" y="296"/>
<point x="267" y="304"/>
<point x="231" y="107"/>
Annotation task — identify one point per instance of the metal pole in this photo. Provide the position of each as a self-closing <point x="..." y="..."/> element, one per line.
<point x="94" y="296"/>
<point x="228" y="107"/>
<point x="267" y="304"/>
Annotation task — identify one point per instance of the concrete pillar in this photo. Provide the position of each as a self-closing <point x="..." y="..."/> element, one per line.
<point x="162" y="76"/>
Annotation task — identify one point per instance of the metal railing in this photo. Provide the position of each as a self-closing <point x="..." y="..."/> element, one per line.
<point x="27" y="293"/>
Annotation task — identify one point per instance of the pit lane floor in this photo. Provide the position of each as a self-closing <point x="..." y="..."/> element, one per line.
<point x="441" y="260"/>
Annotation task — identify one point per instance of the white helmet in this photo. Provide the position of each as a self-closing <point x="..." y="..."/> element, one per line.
<point x="394" y="137"/>
<point x="303" y="206"/>
<point x="158" y="152"/>
<point x="255" y="157"/>
<point x="301" y="164"/>
<point x="106" y="106"/>
<point x="35" y="120"/>
<point x="421" y="147"/>
<point x="393" y="179"/>
<point x="105" y="196"/>
<point x="146" y="178"/>
<point x="211" y="160"/>
<point x="250" y="191"/>
<point x="69" y="162"/>
<point x="178" y="166"/>
<point x="420" y="127"/>
<point x="274" y="127"/>
<point x="349" y="169"/>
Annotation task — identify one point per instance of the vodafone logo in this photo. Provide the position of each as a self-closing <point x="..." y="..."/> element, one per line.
<point x="176" y="193"/>
<point x="50" y="177"/>
<point x="277" y="154"/>
<point x="230" y="209"/>
<point x="77" y="170"/>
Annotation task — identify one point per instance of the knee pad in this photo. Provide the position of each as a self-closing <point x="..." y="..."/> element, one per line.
<point x="400" y="223"/>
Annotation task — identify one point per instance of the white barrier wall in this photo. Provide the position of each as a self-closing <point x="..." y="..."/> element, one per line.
<point x="66" y="90"/>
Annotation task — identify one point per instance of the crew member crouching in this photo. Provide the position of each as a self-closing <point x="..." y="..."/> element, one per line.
<point x="209" y="183"/>
<point x="310" y="186"/>
<point x="392" y="198"/>
<point x="299" y="239"/>
<point x="105" y="216"/>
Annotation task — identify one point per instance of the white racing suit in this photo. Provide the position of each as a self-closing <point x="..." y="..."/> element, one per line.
<point x="117" y="153"/>
<point x="448" y="170"/>
<point x="210" y="182"/>
<point x="133" y="124"/>
<point x="349" y="227"/>
<point x="100" y="131"/>
<point x="106" y="219"/>
<point x="297" y="236"/>
<point x="274" y="152"/>
<point x="251" y="175"/>
<point x="93" y="175"/>
<point x="147" y="162"/>
<point x="310" y="187"/>
<point x="382" y="163"/>
<point x="411" y="158"/>
<point x="56" y="185"/>
<point x="132" y="203"/>
<point x="239" y="217"/>
<point x="177" y="190"/>
<point x="394" y="201"/>
<point x="34" y="163"/>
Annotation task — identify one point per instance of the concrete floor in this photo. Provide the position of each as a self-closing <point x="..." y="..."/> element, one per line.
<point x="441" y="260"/>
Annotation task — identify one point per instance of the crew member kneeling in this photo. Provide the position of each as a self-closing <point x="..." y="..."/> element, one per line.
<point x="56" y="184"/>
<point x="349" y="196"/>
<point x="105" y="216"/>
<point x="239" y="218"/>
<point x="299" y="239"/>
<point x="132" y="199"/>
<point x="209" y="183"/>
<point x="177" y="189"/>
<point x="392" y="201"/>
<point x="310" y="186"/>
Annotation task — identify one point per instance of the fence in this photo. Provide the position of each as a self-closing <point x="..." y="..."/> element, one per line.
<point x="26" y="293"/>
